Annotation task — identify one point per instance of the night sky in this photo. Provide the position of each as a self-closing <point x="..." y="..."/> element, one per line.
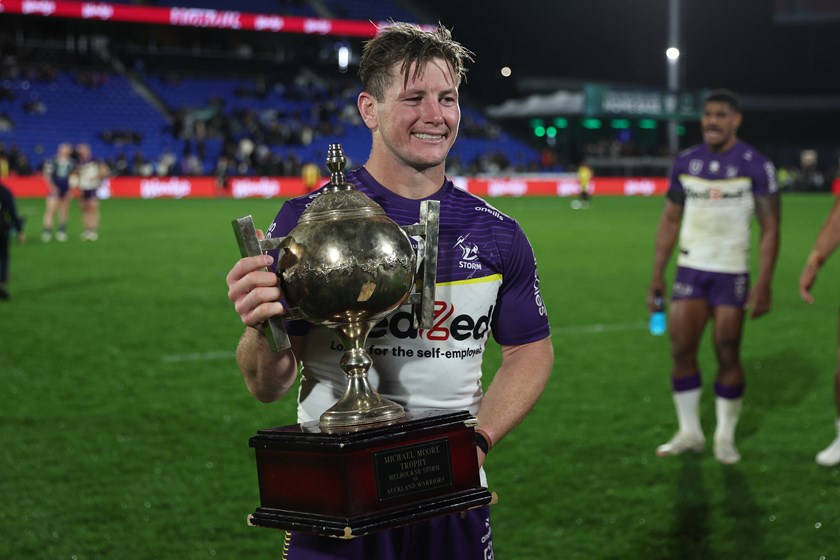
<point x="725" y="43"/>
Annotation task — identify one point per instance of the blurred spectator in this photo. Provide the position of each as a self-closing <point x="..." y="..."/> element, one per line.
<point x="6" y="122"/>
<point x="119" y="166"/>
<point x="91" y="174"/>
<point x="35" y="107"/>
<point x="140" y="166"/>
<point x="190" y="164"/>
<point x="4" y="162"/>
<point x="222" y="174"/>
<point x="57" y="174"/>
<point x="165" y="165"/>
<point x="311" y="176"/>
<point x="785" y="177"/>
<point x="120" y="137"/>
<point x="15" y="156"/>
<point x="24" y="168"/>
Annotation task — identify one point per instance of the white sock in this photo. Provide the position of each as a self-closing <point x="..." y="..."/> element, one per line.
<point x="830" y="456"/>
<point x="687" y="404"/>
<point x="727" y="411"/>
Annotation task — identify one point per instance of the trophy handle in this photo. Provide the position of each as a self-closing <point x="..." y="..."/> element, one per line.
<point x="423" y="298"/>
<point x="250" y="246"/>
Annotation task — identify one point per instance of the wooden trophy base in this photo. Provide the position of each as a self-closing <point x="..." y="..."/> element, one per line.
<point x="348" y="481"/>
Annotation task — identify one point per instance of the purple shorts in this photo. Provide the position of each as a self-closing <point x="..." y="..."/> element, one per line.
<point x="465" y="536"/>
<point x="61" y="190"/>
<point x="717" y="288"/>
<point x="89" y="194"/>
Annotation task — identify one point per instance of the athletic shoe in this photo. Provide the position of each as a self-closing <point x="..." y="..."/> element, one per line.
<point x="682" y="442"/>
<point x="61" y="237"/>
<point x="725" y="452"/>
<point x="46" y="237"/>
<point x="830" y="456"/>
<point x="93" y="236"/>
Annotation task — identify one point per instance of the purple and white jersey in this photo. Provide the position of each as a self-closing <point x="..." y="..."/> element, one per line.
<point x="90" y="175"/>
<point x="486" y="282"/>
<point x="718" y="192"/>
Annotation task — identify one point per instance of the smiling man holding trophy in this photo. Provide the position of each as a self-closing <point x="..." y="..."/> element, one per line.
<point x="391" y="419"/>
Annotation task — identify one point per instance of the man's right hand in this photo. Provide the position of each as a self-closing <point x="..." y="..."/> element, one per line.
<point x="253" y="289"/>
<point x="656" y="286"/>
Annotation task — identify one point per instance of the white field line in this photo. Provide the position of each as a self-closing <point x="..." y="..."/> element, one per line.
<point x="598" y="328"/>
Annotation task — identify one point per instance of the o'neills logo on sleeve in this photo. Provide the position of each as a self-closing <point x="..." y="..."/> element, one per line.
<point x="538" y="296"/>
<point x="158" y="188"/>
<point x="204" y="18"/>
<point x="263" y="187"/>
<point x="446" y="324"/>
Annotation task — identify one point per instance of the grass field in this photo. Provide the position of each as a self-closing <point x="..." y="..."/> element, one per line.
<point x="124" y="422"/>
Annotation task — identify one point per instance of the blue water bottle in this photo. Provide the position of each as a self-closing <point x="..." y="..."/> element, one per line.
<point x="657" y="318"/>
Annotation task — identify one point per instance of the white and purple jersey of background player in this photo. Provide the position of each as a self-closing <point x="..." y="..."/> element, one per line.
<point x="718" y="193"/>
<point x="487" y="282"/>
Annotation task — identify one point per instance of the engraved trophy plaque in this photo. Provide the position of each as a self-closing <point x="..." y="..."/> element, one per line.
<point x="367" y="464"/>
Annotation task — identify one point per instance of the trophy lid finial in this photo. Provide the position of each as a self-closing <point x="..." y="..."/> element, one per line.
<point x="336" y="162"/>
<point x="339" y="198"/>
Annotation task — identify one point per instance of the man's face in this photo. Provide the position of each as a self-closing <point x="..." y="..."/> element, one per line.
<point x="417" y="121"/>
<point x="720" y="124"/>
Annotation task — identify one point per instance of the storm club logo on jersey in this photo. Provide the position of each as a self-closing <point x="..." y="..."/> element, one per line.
<point x="446" y="324"/>
<point x="469" y="253"/>
<point x="695" y="166"/>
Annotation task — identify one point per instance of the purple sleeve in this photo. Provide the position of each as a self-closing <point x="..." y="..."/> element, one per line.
<point x="763" y="175"/>
<point x="520" y="316"/>
<point x="285" y="221"/>
<point x="676" y="193"/>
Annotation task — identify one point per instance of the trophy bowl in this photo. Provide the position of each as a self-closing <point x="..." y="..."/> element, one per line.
<point x="346" y="269"/>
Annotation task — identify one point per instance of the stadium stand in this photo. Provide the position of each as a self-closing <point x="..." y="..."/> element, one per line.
<point x="141" y="107"/>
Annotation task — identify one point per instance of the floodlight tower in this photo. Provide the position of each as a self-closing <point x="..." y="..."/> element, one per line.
<point x="672" y="55"/>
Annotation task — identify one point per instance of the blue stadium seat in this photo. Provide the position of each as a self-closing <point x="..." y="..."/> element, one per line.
<point x="79" y="113"/>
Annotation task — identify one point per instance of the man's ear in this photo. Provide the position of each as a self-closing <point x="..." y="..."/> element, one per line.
<point x="367" y="109"/>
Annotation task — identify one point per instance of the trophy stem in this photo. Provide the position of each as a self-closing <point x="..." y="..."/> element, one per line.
<point x="361" y="403"/>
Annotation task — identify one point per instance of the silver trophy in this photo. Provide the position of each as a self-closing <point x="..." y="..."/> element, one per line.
<point x="345" y="266"/>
